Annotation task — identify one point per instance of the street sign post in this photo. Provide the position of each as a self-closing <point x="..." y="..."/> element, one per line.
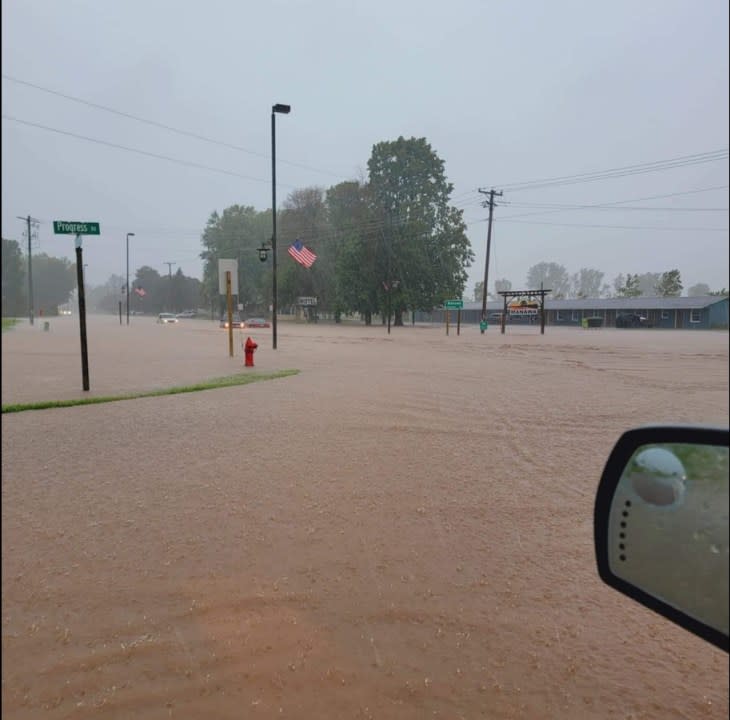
<point x="453" y="305"/>
<point x="64" y="227"/>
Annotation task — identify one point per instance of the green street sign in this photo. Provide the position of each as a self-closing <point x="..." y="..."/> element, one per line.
<point x="63" y="227"/>
<point x="453" y="304"/>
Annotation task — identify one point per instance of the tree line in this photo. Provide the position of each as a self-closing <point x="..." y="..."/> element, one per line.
<point x="54" y="283"/>
<point x="589" y="283"/>
<point x="390" y="243"/>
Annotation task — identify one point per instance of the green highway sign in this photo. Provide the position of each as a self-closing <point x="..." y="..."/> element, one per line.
<point x="453" y="304"/>
<point x="63" y="227"/>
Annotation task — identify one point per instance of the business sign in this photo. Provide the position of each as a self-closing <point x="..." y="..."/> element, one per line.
<point x="225" y="266"/>
<point x="303" y="301"/>
<point x="523" y="308"/>
<point x="64" y="227"/>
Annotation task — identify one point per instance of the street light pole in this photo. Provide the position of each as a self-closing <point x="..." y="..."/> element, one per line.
<point x="284" y="110"/>
<point x="128" y="236"/>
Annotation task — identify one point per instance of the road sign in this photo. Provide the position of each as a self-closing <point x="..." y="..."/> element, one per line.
<point x="64" y="227"/>
<point x="227" y="266"/>
<point x="453" y="304"/>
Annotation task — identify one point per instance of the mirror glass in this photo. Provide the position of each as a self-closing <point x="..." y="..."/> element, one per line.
<point x="668" y="528"/>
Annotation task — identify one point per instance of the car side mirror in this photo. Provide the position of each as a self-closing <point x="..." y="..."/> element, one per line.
<point x="661" y="525"/>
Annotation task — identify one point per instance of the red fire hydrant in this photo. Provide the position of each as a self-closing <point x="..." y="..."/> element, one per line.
<point x="249" y="348"/>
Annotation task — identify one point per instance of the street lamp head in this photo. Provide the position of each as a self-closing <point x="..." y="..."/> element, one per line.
<point x="279" y="108"/>
<point x="263" y="252"/>
<point x="130" y="234"/>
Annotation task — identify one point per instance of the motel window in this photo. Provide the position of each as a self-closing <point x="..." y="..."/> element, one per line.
<point x="695" y="316"/>
<point x="574" y="316"/>
<point x="559" y="315"/>
<point x="665" y="314"/>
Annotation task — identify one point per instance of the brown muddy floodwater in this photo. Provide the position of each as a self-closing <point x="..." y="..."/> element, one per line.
<point x="403" y="530"/>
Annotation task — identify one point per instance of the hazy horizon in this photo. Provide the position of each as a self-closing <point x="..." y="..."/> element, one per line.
<point x="505" y="94"/>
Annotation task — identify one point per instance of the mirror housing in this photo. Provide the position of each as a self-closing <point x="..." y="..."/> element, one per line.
<point x="661" y="525"/>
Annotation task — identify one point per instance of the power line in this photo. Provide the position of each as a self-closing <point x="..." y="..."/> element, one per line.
<point x="162" y="126"/>
<point x="617" y="227"/>
<point x="622" y="208"/>
<point x="656" y="166"/>
<point x="140" y="152"/>
<point x="621" y="202"/>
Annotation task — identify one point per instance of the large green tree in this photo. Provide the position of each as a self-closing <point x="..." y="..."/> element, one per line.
<point x="698" y="290"/>
<point x="425" y="250"/>
<point x="552" y="276"/>
<point x="587" y="283"/>
<point x="304" y="217"/>
<point x="669" y="284"/>
<point x="356" y="238"/>
<point x="236" y="234"/>
<point x="627" y="286"/>
<point x="15" y="302"/>
<point x="53" y="281"/>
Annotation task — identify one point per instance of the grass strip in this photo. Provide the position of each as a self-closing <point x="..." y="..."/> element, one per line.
<point x="228" y="381"/>
<point x="9" y="323"/>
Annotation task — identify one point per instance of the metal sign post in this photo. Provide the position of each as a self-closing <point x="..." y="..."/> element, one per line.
<point x="63" y="227"/>
<point x="229" y="305"/>
<point x="82" y="314"/>
<point x="453" y="305"/>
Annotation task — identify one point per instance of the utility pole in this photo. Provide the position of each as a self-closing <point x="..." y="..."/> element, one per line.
<point x="31" y="310"/>
<point x="169" y="275"/>
<point x="490" y="204"/>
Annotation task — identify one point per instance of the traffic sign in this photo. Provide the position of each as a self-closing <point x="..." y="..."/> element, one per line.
<point x="64" y="227"/>
<point x="453" y="304"/>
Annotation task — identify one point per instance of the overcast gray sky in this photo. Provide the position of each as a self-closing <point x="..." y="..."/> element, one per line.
<point x="506" y="92"/>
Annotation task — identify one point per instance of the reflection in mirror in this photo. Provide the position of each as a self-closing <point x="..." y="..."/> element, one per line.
<point x="668" y="528"/>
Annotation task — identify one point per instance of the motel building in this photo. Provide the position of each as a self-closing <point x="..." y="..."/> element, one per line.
<point x="707" y="312"/>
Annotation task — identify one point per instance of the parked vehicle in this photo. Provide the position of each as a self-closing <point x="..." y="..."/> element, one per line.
<point x="237" y="322"/>
<point x="165" y="318"/>
<point x="631" y="320"/>
<point x="256" y="323"/>
<point x="187" y="314"/>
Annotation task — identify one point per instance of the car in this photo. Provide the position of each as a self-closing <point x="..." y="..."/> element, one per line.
<point x="661" y="525"/>
<point x="165" y="318"/>
<point x="186" y="314"/>
<point x="630" y="320"/>
<point x="256" y="323"/>
<point x="237" y="322"/>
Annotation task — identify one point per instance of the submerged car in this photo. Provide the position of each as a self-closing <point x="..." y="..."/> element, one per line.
<point x="256" y="323"/>
<point x="165" y="318"/>
<point x="187" y="314"/>
<point x="236" y="323"/>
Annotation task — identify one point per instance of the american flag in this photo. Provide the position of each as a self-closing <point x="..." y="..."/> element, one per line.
<point x="140" y="291"/>
<point x="301" y="254"/>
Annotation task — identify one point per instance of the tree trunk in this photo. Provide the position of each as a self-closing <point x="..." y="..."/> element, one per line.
<point x="368" y="318"/>
<point x="398" y="318"/>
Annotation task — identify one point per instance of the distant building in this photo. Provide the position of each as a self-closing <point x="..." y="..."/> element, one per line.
<point x="688" y="313"/>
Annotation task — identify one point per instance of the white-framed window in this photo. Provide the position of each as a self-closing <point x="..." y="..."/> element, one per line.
<point x="559" y="316"/>
<point x="665" y="314"/>
<point x="695" y="316"/>
<point x="574" y="316"/>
